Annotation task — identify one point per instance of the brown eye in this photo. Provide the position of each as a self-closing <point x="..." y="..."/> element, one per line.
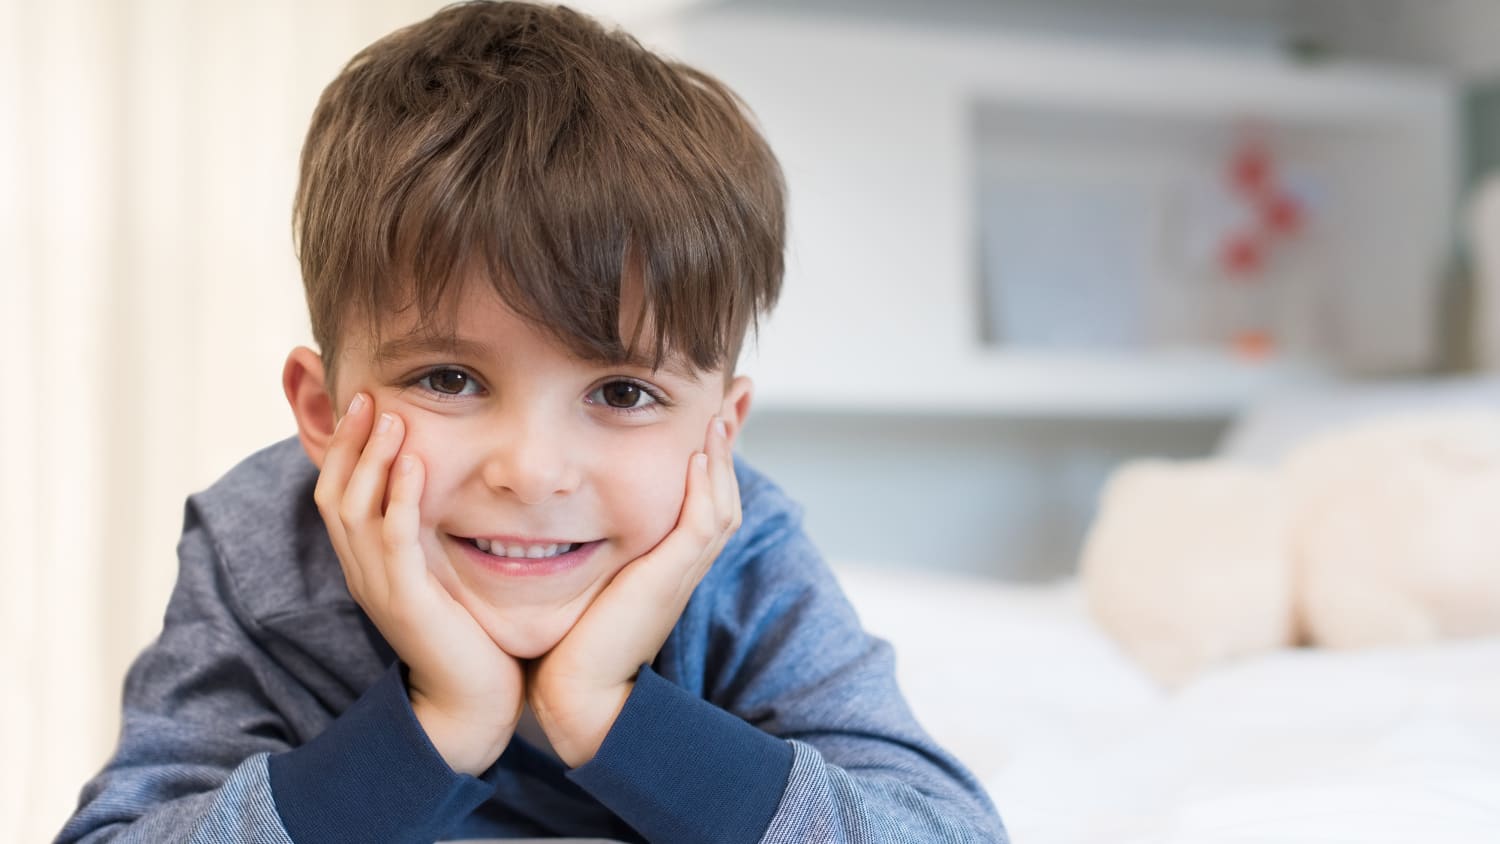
<point x="448" y="381"/>
<point x="625" y="397"/>
<point x="621" y="394"/>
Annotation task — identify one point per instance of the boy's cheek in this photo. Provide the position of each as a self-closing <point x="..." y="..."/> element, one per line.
<point x="655" y="503"/>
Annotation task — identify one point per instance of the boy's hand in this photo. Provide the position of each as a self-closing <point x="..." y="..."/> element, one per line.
<point x="579" y="687"/>
<point x="465" y="691"/>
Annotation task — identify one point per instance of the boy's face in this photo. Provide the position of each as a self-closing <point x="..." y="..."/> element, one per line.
<point x="525" y="445"/>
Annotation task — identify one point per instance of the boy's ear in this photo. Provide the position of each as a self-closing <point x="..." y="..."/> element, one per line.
<point x="736" y="404"/>
<point x="302" y="379"/>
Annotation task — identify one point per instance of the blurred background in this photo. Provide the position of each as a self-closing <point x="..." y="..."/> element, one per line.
<point x="1030" y="239"/>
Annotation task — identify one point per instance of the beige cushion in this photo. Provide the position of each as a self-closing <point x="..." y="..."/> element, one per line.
<point x="1396" y="537"/>
<point x="1187" y="564"/>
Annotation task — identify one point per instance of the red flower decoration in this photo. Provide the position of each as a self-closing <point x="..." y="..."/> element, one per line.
<point x="1282" y="214"/>
<point x="1242" y="256"/>
<point x="1250" y="170"/>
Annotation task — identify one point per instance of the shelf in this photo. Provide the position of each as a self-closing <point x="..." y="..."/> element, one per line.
<point x="1130" y="385"/>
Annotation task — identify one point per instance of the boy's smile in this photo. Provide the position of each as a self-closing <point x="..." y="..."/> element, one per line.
<point x="545" y="474"/>
<point x="549" y="558"/>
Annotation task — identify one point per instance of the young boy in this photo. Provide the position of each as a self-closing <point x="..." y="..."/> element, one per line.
<point x="509" y="580"/>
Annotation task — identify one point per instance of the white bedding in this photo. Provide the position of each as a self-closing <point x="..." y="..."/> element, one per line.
<point x="1075" y="744"/>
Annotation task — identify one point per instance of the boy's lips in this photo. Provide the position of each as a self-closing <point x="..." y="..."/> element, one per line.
<point x="528" y="556"/>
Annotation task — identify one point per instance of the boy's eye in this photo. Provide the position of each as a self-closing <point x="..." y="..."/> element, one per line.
<point x="450" y="382"/>
<point x="623" y="395"/>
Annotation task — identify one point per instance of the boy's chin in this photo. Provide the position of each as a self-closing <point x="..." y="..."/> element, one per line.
<point x="527" y="634"/>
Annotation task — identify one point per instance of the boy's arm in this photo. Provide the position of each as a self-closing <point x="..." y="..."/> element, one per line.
<point x="206" y="754"/>
<point x="789" y="667"/>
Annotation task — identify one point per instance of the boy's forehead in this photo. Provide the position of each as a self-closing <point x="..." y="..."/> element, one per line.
<point x="461" y="333"/>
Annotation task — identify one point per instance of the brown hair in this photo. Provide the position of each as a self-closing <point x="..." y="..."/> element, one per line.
<point x="530" y="143"/>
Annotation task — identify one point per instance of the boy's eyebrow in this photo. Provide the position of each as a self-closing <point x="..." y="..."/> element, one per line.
<point x="416" y="344"/>
<point x="400" y="348"/>
<point x="672" y="365"/>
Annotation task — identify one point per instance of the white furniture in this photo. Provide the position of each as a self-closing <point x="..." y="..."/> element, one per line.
<point x="881" y="129"/>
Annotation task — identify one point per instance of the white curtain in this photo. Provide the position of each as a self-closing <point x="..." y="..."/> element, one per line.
<point x="148" y="295"/>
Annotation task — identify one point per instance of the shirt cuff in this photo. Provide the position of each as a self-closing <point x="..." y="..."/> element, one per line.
<point x="677" y="768"/>
<point x="373" y="775"/>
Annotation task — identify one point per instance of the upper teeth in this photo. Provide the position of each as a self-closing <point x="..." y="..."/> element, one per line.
<point x="533" y="552"/>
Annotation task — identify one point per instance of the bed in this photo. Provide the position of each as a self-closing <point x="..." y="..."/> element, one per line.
<point x="1077" y="744"/>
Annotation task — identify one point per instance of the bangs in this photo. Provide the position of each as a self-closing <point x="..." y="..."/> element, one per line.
<point x="559" y="176"/>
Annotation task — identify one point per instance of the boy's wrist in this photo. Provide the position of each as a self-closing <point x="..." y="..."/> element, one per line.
<point x="404" y="790"/>
<point x="469" y="745"/>
<point x="577" y="729"/>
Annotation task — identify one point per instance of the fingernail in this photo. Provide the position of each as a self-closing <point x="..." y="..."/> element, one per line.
<point x="700" y="460"/>
<point x="359" y="402"/>
<point x="408" y="463"/>
<point x="384" y="424"/>
<point x="721" y="427"/>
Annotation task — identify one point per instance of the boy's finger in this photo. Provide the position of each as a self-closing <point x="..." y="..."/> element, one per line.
<point x="353" y="576"/>
<point x="663" y="579"/>
<point x="725" y="489"/>
<point x="693" y="541"/>
<point x="734" y="484"/>
<point x="343" y="453"/>
<point x="360" y="509"/>
<point x="405" y="563"/>
<point x="698" y="505"/>
<point x="667" y="574"/>
<point x="368" y="482"/>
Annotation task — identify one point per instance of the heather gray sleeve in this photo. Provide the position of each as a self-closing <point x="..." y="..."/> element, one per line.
<point x="240" y="809"/>
<point x="207" y="753"/>
<point x="196" y="727"/>
<point x="794" y="661"/>
<point x="827" y="803"/>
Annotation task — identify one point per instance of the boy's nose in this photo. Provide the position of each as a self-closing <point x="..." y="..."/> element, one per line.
<point x="528" y="459"/>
